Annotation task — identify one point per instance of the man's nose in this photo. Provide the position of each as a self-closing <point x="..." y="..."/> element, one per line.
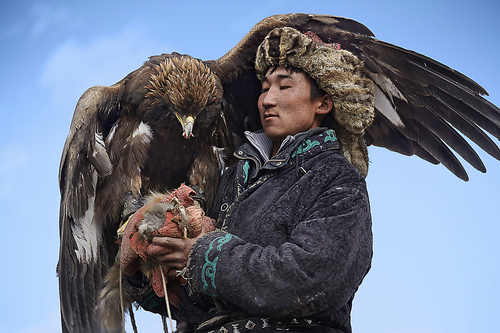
<point x="269" y="98"/>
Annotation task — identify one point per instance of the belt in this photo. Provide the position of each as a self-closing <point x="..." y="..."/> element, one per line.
<point x="255" y="323"/>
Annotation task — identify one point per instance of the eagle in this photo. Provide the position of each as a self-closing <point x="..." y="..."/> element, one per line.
<point x="177" y="119"/>
<point x="159" y="127"/>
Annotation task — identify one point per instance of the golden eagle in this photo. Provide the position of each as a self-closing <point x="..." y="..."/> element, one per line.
<point x="172" y="121"/>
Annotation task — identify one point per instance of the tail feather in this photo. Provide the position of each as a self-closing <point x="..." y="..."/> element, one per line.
<point x="110" y="311"/>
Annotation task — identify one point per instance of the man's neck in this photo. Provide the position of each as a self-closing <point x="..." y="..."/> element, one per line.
<point x="276" y="147"/>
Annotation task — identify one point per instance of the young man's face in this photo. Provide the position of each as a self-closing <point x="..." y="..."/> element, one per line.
<point x="285" y="105"/>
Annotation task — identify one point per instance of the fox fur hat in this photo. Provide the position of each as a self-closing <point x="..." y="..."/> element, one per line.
<point x="338" y="72"/>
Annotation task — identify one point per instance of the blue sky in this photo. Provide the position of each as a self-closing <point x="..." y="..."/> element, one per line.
<point x="436" y="262"/>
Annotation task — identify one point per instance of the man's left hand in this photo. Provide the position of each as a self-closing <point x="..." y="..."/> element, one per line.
<point x="172" y="252"/>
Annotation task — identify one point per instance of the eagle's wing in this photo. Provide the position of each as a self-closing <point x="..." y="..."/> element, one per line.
<point x="84" y="249"/>
<point x="236" y="67"/>
<point x="421" y="104"/>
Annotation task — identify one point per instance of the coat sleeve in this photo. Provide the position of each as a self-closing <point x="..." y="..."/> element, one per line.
<point x="317" y="270"/>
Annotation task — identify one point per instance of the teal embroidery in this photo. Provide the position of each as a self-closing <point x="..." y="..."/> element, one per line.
<point x="208" y="271"/>
<point x="246" y="167"/>
<point x="307" y="145"/>
<point x="224" y="240"/>
<point x="209" y="268"/>
<point x="330" y="136"/>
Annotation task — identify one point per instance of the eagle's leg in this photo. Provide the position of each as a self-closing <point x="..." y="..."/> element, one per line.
<point x="132" y="201"/>
<point x="204" y="176"/>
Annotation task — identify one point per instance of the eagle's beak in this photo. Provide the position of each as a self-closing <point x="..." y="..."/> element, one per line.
<point x="187" y="126"/>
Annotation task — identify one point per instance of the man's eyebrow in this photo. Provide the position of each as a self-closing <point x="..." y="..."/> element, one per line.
<point x="281" y="76"/>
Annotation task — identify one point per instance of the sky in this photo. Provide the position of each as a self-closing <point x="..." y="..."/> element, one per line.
<point x="436" y="238"/>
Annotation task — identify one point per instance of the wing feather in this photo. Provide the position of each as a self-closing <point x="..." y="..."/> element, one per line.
<point x="83" y="248"/>
<point x="431" y="88"/>
<point x="423" y="106"/>
<point x="434" y="146"/>
<point x="442" y="130"/>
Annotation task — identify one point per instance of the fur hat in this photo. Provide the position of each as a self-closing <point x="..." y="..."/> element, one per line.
<point x="338" y="72"/>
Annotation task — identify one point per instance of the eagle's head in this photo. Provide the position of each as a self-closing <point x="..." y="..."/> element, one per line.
<point x="188" y="88"/>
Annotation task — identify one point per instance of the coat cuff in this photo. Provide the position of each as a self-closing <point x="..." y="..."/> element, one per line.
<point x="206" y="255"/>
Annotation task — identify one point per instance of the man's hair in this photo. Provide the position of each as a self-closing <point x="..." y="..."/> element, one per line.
<point x="316" y="92"/>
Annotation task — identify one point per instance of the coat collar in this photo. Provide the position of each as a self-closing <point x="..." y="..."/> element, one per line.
<point x="311" y="142"/>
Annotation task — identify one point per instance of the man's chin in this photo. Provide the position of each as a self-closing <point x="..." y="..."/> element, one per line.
<point x="274" y="135"/>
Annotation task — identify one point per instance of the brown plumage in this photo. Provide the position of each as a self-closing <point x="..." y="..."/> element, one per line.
<point x="161" y="126"/>
<point x="129" y="136"/>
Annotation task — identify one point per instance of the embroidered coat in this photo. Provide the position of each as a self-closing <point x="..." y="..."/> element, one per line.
<point x="294" y="239"/>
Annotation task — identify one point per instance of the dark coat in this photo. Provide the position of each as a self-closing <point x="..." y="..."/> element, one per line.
<point x="294" y="238"/>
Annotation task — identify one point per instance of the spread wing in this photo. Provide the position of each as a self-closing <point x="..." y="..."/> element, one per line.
<point x="423" y="107"/>
<point x="86" y="250"/>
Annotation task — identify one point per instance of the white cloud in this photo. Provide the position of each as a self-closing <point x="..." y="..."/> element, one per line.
<point x="44" y="16"/>
<point x="37" y="20"/>
<point x="76" y="66"/>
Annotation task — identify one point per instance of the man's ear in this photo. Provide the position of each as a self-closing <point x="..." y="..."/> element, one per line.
<point x="325" y="106"/>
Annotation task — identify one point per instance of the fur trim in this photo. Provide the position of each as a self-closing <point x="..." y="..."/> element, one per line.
<point x="339" y="73"/>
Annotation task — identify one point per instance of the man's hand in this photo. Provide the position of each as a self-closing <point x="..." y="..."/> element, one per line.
<point x="172" y="252"/>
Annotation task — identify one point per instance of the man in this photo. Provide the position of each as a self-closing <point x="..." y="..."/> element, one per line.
<point x="293" y="239"/>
